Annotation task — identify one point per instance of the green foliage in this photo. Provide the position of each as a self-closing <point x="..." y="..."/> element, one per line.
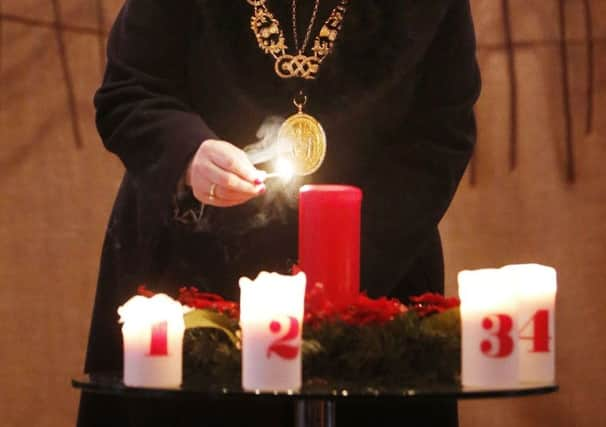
<point x="406" y="351"/>
<point x="212" y="319"/>
<point x="209" y="354"/>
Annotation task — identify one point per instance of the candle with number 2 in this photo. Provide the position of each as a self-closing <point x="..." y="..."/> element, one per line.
<point x="271" y="318"/>
<point x="329" y="239"/>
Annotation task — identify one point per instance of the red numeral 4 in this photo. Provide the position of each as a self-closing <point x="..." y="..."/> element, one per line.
<point x="540" y="331"/>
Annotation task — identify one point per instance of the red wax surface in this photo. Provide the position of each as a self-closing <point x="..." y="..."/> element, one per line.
<point x="159" y="340"/>
<point x="329" y="239"/>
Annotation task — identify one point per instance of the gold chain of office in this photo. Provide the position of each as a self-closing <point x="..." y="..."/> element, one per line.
<point x="271" y="40"/>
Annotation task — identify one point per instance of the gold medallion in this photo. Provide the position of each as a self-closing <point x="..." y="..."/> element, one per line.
<point x="306" y="140"/>
<point x="300" y="135"/>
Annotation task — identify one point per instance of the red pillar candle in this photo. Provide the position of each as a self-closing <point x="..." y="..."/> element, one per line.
<point x="329" y="239"/>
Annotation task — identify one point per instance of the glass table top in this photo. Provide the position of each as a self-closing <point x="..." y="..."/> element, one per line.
<point x="111" y="383"/>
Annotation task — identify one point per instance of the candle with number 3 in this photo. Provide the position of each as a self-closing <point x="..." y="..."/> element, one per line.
<point x="489" y="350"/>
<point x="152" y="333"/>
<point x="536" y="291"/>
<point x="271" y="319"/>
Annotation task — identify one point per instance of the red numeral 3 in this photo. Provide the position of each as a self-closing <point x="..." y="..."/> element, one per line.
<point x="500" y="343"/>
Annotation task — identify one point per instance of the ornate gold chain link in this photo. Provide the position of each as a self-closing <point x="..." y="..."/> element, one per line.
<point x="271" y="40"/>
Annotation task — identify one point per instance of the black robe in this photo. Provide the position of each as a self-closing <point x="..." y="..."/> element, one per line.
<point x="395" y="98"/>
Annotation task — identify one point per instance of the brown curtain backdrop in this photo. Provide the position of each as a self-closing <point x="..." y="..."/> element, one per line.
<point x="536" y="191"/>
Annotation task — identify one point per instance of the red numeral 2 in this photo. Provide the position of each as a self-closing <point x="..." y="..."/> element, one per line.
<point x="159" y="340"/>
<point x="281" y="347"/>
<point x="540" y="331"/>
<point x="500" y="344"/>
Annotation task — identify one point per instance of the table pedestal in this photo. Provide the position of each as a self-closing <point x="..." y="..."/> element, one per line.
<point x="315" y="413"/>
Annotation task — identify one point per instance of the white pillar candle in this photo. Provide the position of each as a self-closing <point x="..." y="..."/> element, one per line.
<point x="152" y="333"/>
<point x="488" y="330"/>
<point x="536" y="291"/>
<point x="271" y="318"/>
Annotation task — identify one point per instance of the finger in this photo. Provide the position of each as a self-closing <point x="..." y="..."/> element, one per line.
<point x="205" y="197"/>
<point x="220" y="202"/>
<point x="222" y="197"/>
<point x="227" y="194"/>
<point x="232" y="159"/>
<point x="228" y="180"/>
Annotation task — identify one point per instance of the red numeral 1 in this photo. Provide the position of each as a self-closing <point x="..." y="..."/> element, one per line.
<point x="500" y="343"/>
<point x="540" y="332"/>
<point x="159" y="340"/>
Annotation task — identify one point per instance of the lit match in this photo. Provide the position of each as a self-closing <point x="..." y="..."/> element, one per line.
<point x="284" y="170"/>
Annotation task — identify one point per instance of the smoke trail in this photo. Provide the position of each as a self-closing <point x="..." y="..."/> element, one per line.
<point x="277" y="205"/>
<point x="267" y="147"/>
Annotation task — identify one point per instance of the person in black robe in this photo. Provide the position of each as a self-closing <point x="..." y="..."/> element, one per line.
<point x="186" y="84"/>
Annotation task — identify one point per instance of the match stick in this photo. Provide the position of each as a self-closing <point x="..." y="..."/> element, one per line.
<point x="274" y="175"/>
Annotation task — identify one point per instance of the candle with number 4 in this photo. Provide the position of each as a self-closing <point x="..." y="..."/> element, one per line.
<point x="329" y="239"/>
<point x="271" y="319"/>
<point x="489" y="351"/>
<point x="152" y="333"/>
<point x="536" y="291"/>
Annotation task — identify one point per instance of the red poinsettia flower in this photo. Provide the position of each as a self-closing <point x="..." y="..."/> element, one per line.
<point x="144" y="292"/>
<point x="295" y="269"/>
<point x="363" y="311"/>
<point x="367" y="311"/>
<point x="431" y="303"/>
<point x="317" y="308"/>
<point x="192" y="297"/>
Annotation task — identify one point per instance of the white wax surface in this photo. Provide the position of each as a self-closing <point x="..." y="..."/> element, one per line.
<point x="144" y="370"/>
<point x="139" y="315"/>
<point x="536" y="291"/>
<point x="260" y="372"/>
<point x="278" y="300"/>
<point x="484" y="297"/>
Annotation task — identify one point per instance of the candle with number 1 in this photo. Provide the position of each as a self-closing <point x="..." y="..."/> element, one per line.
<point x="152" y="333"/>
<point x="329" y="239"/>
<point x="489" y="350"/>
<point x="271" y="319"/>
<point x="536" y="291"/>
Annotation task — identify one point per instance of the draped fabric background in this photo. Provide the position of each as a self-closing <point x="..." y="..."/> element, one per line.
<point x="536" y="191"/>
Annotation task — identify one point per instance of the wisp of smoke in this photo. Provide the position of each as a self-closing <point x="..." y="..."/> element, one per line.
<point x="267" y="147"/>
<point x="278" y="203"/>
<point x="281" y="195"/>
